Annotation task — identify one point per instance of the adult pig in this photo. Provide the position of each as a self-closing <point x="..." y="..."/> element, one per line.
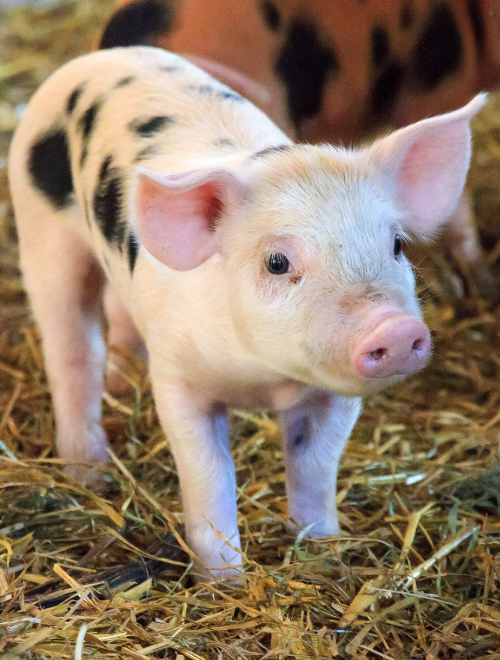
<point x="259" y="273"/>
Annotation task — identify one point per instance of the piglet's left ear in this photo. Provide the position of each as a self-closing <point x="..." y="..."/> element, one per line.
<point x="177" y="215"/>
<point x="426" y="164"/>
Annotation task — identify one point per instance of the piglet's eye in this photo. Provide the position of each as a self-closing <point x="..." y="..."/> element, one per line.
<point x="277" y="263"/>
<point x="398" y="245"/>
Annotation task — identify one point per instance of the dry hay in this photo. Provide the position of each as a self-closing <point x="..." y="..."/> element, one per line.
<point x="417" y="573"/>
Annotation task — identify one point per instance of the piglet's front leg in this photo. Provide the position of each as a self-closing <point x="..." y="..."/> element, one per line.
<point x="315" y="434"/>
<point x="199" y="441"/>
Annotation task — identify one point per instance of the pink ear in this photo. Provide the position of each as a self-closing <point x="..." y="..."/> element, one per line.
<point x="427" y="164"/>
<point x="177" y="214"/>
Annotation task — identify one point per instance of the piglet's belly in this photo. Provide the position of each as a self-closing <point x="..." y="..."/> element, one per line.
<point x="282" y="396"/>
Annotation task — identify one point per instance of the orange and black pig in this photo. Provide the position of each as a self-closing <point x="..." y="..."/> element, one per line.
<point x="337" y="70"/>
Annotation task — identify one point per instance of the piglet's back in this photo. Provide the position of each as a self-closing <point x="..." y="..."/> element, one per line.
<point x="128" y="107"/>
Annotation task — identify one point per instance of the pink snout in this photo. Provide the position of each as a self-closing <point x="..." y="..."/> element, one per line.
<point x="398" y="345"/>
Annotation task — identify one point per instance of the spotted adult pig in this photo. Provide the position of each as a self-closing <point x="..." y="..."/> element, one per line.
<point x="259" y="273"/>
<point x="339" y="71"/>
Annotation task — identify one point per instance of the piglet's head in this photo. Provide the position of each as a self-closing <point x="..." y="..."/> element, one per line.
<point x="422" y="169"/>
<point x="177" y="215"/>
<point x="318" y="285"/>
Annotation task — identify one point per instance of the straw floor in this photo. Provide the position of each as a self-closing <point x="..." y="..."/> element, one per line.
<point x="417" y="571"/>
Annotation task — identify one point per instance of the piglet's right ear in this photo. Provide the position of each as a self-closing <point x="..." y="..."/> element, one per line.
<point x="177" y="215"/>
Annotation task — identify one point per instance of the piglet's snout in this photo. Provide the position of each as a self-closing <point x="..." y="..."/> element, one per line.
<point x="398" y="345"/>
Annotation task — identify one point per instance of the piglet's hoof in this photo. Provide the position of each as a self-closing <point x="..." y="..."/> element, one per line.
<point x="316" y="530"/>
<point x="223" y="578"/>
<point x="92" y="478"/>
<point x="87" y="468"/>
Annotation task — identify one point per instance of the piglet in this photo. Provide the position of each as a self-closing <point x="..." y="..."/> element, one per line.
<point x="259" y="273"/>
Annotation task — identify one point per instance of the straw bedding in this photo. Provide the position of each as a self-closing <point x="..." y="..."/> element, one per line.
<point x="417" y="571"/>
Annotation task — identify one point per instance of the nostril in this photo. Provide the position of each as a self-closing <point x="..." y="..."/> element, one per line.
<point x="379" y="354"/>
<point x="397" y="346"/>
<point x="417" y="345"/>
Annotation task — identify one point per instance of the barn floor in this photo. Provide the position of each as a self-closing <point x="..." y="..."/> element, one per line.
<point x="417" y="571"/>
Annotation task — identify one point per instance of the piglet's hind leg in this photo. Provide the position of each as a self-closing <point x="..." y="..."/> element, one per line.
<point x="65" y="285"/>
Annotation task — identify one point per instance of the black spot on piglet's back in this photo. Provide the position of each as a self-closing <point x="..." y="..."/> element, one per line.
<point x="87" y="120"/>
<point x="127" y="80"/>
<point x="50" y="169"/>
<point x="146" y="152"/>
<point x="148" y="127"/>
<point x="205" y="90"/>
<point x="224" y="142"/>
<point x="303" y="65"/>
<point x="87" y="123"/>
<point x="108" y="201"/>
<point x="136" y="24"/>
<point x="229" y="95"/>
<point x="74" y="98"/>
<point x="210" y="90"/>
<point x="268" y="151"/>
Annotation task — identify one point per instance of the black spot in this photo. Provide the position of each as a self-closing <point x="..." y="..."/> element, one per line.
<point x="120" y="233"/>
<point x="271" y="150"/>
<point x="147" y="152"/>
<point x="385" y="91"/>
<point x="224" y="142"/>
<point x="87" y="124"/>
<point x="205" y="90"/>
<point x="210" y="90"/>
<point x="380" y="45"/>
<point x="229" y="95"/>
<point x="298" y="432"/>
<point x="128" y="80"/>
<point x="406" y="17"/>
<point x="132" y="250"/>
<point x="298" y="440"/>
<point x="438" y="53"/>
<point x="137" y="23"/>
<point x="303" y="65"/>
<point x="74" y="98"/>
<point x="148" y="127"/>
<point x="87" y="120"/>
<point x="476" y="20"/>
<point x="174" y="68"/>
<point x="271" y="15"/>
<point x="50" y="168"/>
<point x="108" y="200"/>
